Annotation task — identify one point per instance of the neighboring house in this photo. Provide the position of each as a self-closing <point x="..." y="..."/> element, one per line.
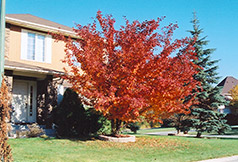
<point x="227" y="84"/>
<point x="32" y="67"/>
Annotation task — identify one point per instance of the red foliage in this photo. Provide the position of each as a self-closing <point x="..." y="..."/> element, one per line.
<point x="135" y="71"/>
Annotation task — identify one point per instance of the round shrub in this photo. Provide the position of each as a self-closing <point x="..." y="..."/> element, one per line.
<point x="72" y="119"/>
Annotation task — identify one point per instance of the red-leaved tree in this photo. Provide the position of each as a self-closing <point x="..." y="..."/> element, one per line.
<point x="138" y="70"/>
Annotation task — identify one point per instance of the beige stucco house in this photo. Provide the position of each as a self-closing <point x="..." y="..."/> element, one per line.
<point x="33" y="66"/>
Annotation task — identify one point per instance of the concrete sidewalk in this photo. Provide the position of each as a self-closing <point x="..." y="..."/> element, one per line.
<point x="224" y="159"/>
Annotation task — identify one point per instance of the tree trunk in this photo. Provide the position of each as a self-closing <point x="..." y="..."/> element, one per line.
<point x="178" y="131"/>
<point x="116" y="126"/>
<point x="112" y="126"/>
<point x="199" y="135"/>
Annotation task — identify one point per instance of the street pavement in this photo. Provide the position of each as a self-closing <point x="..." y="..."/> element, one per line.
<point x="189" y="135"/>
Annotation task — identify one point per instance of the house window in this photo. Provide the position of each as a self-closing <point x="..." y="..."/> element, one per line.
<point x="31" y="46"/>
<point x="35" y="46"/>
<point x="73" y="58"/>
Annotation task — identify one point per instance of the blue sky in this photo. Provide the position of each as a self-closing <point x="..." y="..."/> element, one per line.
<point x="218" y="18"/>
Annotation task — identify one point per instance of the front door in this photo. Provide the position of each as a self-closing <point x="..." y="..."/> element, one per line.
<point x="24" y="101"/>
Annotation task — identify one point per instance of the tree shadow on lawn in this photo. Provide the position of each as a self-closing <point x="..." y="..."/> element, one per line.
<point x="81" y="138"/>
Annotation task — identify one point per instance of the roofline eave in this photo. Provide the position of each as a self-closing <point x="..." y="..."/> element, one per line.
<point x="40" y="27"/>
<point x="33" y="70"/>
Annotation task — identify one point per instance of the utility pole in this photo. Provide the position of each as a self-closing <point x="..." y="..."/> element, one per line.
<point x="2" y="38"/>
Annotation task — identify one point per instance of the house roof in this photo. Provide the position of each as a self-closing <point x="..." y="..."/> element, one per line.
<point x="17" y="66"/>
<point x="34" y="22"/>
<point x="228" y="83"/>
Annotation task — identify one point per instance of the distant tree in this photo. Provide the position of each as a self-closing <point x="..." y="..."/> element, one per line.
<point x="208" y="97"/>
<point x="134" y="127"/>
<point x="131" y="72"/>
<point x="234" y="100"/>
<point x="5" y="149"/>
<point x="181" y="122"/>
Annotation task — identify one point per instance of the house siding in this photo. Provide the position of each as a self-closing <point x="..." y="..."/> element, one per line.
<point x="13" y="49"/>
<point x="7" y="40"/>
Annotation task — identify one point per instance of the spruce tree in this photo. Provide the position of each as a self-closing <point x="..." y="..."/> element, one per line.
<point x="208" y="96"/>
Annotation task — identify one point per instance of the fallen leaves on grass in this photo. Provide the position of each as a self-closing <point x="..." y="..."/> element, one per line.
<point x="141" y="143"/>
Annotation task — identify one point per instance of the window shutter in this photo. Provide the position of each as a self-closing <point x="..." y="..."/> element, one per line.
<point x="48" y="48"/>
<point x="23" y="44"/>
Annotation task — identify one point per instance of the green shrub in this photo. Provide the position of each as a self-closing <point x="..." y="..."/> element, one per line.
<point x="105" y="126"/>
<point x="72" y="119"/>
<point x="134" y="127"/>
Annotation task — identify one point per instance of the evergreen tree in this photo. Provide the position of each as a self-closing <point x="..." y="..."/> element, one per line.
<point x="208" y="96"/>
<point x="72" y="119"/>
<point x="209" y="121"/>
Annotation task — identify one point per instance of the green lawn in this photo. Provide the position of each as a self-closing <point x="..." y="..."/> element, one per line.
<point x="145" y="149"/>
<point x="143" y="131"/>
